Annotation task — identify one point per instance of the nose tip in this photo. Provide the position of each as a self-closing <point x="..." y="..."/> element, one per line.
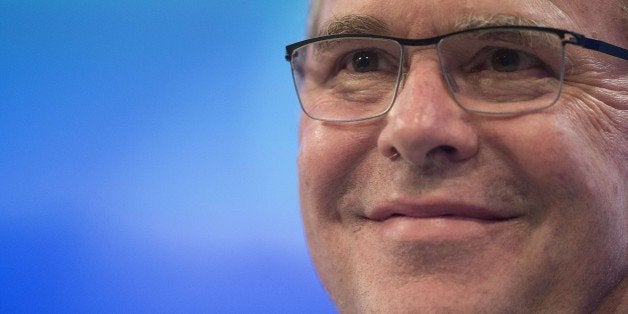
<point x="422" y="143"/>
<point x="426" y="124"/>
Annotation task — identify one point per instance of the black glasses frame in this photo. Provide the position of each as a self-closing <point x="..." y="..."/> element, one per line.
<point x="569" y="37"/>
<point x="566" y="37"/>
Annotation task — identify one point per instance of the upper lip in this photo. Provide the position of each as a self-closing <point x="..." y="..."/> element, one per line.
<point x="436" y="209"/>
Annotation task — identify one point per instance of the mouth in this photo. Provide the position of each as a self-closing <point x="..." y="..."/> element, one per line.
<point x="437" y="221"/>
<point x="436" y="209"/>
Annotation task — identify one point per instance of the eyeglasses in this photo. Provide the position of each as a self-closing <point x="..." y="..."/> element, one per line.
<point x="492" y="70"/>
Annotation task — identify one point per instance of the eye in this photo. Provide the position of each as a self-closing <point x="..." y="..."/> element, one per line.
<point x="508" y="60"/>
<point x="365" y="61"/>
<point x="505" y="60"/>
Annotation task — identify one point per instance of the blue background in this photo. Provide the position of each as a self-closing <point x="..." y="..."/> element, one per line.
<point x="147" y="158"/>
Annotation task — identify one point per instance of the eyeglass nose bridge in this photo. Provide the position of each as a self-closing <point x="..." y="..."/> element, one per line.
<point x="410" y="50"/>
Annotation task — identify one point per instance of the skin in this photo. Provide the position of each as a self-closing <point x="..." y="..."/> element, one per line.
<point x="560" y="174"/>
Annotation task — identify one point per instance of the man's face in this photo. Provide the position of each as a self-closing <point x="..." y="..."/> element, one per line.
<point x="477" y="213"/>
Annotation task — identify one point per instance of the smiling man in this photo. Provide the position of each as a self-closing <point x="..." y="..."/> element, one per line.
<point x="466" y="156"/>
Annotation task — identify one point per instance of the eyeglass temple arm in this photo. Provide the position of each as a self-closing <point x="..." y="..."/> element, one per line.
<point x="601" y="46"/>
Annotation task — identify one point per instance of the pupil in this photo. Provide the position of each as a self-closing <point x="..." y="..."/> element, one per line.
<point x="365" y="61"/>
<point x="505" y="60"/>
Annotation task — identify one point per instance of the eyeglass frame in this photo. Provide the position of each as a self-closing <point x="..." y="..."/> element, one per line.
<point x="567" y="37"/>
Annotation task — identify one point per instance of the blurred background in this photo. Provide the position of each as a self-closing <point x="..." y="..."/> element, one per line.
<point x="147" y="158"/>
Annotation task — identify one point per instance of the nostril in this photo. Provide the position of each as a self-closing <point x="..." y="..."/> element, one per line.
<point x="392" y="154"/>
<point x="444" y="152"/>
<point x="449" y="150"/>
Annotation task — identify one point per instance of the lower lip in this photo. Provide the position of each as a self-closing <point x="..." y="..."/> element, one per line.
<point x="441" y="228"/>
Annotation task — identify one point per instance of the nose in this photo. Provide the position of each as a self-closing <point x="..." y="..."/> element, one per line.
<point x="425" y="123"/>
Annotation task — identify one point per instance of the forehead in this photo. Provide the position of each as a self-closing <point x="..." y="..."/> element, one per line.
<point x="416" y="19"/>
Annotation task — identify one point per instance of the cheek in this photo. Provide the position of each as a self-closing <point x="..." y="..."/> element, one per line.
<point x="328" y="154"/>
<point x="550" y="151"/>
<point x="604" y="128"/>
<point x="574" y="189"/>
<point x="576" y="181"/>
<point x="580" y="210"/>
<point x="319" y="159"/>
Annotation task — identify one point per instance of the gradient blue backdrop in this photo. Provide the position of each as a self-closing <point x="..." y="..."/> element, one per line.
<point x="147" y="158"/>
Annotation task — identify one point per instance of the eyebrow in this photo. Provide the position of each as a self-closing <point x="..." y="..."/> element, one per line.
<point x="354" y="24"/>
<point x="366" y="24"/>
<point x="479" y="21"/>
